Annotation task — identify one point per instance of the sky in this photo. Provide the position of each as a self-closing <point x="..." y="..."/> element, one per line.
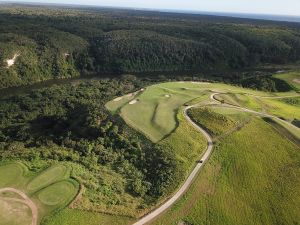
<point x="274" y="7"/>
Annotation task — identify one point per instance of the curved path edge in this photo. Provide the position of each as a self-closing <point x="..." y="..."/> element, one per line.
<point x="26" y="200"/>
<point x="149" y="217"/>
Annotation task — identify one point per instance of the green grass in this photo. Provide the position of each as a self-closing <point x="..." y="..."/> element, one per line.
<point x="158" y="115"/>
<point x="250" y="179"/>
<point x="58" y="193"/>
<point x="290" y="79"/>
<point x="187" y="143"/>
<point x="47" y="177"/>
<point x="10" y="174"/>
<point x="215" y="123"/>
<point x="78" y="217"/>
<point x="282" y="109"/>
<point x="154" y="114"/>
<point x="244" y="100"/>
<point x="50" y="190"/>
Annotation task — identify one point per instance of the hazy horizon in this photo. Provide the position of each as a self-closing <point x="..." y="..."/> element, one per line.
<point x="267" y="7"/>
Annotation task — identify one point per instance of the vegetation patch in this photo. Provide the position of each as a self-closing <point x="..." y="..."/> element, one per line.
<point x="215" y="123"/>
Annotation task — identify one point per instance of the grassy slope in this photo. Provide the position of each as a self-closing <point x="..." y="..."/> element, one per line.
<point x="243" y="184"/>
<point x="155" y="114"/>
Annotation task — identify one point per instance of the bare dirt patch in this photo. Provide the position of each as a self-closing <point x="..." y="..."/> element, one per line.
<point x="297" y="81"/>
<point x="11" y="62"/>
<point x="133" y="102"/>
<point x="25" y="200"/>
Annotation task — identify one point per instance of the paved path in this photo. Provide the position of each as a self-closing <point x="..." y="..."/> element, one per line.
<point x="189" y="180"/>
<point x="26" y="200"/>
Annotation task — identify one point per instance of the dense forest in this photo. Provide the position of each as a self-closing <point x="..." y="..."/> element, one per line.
<point x="69" y="123"/>
<point x="48" y="43"/>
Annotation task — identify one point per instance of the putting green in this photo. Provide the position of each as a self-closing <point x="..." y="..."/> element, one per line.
<point x="14" y="213"/>
<point x="47" y="177"/>
<point x="59" y="193"/>
<point x="10" y="173"/>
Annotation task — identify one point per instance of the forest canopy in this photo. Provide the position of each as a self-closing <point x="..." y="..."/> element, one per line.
<point x="54" y="43"/>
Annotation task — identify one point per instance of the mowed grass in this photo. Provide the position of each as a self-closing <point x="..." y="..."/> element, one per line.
<point x="50" y="190"/>
<point x="154" y="113"/>
<point x="252" y="178"/>
<point x="78" y="217"/>
<point x="47" y="177"/>
<point x="290" y="78"/>
<point x="58" y="193"/>
<point x="10" y="174"/>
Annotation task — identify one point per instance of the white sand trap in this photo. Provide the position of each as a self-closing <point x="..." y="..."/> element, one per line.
<point x="297" y="81"/>
<point x="117" y="99"/>
<point x="143" y="89"/>
<point x="167" y="96"/>
<point x="133" y="102"/>
<point x="11" y="62"/>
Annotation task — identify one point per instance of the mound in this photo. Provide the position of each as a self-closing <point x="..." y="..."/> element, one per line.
<point x="58" y="194"/>
<point x="51" y="175"/>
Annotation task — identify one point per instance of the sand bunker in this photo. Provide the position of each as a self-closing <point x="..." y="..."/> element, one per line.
<point x="167" y="96"/>
<point x="297" y="81"/>
<point x="11" y="62"/>
<point x="117" y="99"/>
<point x="133" y="102"/>
<point x="198" y="82"/>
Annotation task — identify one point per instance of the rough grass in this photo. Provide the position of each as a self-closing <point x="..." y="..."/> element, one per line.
<point x="215" y="123"/>
<point x="282" y="109"/>
<point x="236" y="99"/>
<point x="78" y="217"/>
<point x="290" y="79"/>
<point x="187" y="143"/>
<point x="250" y="179"/>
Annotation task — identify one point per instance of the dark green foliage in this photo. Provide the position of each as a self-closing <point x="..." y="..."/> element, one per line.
<point x="70" y="123"/>
<point x="266" y="83"/>
<point x="61" y="43"/>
